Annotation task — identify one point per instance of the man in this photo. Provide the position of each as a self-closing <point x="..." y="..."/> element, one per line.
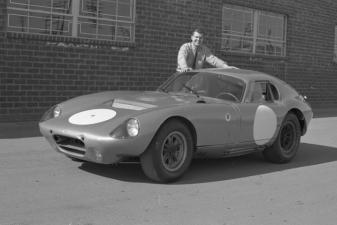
<point x="192" y="55"/>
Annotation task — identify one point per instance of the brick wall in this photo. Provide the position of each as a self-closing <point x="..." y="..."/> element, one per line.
<point x="309" y="65"/>
<point x="37" y="72"/>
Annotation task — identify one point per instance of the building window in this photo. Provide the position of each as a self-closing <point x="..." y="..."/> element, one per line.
<point x="252" y="31"/>
<point x="91" y="19"/>
<point x="335" y="51"/>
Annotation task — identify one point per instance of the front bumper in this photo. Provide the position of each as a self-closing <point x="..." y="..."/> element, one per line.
<point x="89" y="146"/>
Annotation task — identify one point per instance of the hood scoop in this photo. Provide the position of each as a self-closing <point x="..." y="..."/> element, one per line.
<point x="131" y="105"/>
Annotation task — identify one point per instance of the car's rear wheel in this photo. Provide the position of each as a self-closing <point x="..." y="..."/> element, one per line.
<point x="169" y="153"/>
<point x="287" y="142"/>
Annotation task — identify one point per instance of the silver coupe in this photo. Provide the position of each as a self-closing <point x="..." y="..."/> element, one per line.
<point x="217" y="112"/>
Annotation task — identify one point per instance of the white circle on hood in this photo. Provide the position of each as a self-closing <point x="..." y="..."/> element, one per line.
<point x="92" y="116"/>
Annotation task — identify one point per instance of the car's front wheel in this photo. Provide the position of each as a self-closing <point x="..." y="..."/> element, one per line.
<point x="287" y="142"/>
<point x="169" y="153"/>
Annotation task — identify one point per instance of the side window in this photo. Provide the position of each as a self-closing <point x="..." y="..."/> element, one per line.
<point x="258" y="92"/>
<point x="263" y="91"/>
<point x="273" y="92"/>
<point x="226" y="88"/>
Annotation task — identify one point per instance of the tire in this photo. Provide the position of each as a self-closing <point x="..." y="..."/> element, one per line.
<point x="287" y="142"/>
<point x="169" y="153"/>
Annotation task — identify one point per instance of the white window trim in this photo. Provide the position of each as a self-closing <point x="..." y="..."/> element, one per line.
<point x="335" y="46"/>
<point x="255" y="19"/>
<point x="75" y="13"/>
<point x="74" y="22"/>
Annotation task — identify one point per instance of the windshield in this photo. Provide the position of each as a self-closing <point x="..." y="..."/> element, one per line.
<point x="206" y="84"/>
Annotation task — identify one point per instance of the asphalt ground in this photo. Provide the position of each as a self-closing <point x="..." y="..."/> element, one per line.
<point x="39" y="186"/>
<point x="30" y="128"/>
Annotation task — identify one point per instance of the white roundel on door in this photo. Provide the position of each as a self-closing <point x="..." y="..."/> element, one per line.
<point x="265" y="123"/>
<point x="92" y="116"/>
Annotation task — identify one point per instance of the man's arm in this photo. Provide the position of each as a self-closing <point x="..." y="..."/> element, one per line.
<point x="182" y="59"/>
<point x="213" y="60"/>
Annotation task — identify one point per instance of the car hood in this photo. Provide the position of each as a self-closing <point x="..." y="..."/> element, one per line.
<point x="105" y="111"/>
<point x="126" y="102"/>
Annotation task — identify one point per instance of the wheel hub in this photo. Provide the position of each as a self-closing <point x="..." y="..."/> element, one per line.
<point x="287" y="137"/>
<point x="174" y="151"/>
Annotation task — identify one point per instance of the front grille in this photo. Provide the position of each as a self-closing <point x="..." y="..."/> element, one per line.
<point x="70" y="145"/>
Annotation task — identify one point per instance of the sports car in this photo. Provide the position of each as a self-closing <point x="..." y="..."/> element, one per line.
<point x="200" y="113"/>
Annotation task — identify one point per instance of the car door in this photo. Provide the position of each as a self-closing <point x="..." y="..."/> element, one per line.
<point x="260" y="113"/>
<point x="218" y="120"/>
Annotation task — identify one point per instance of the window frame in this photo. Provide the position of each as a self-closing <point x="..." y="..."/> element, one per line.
<point x="74" y="23"/>
<point x="335" y="46"/>
<point x="255" y="22"/>
<point x="268" y="90"/>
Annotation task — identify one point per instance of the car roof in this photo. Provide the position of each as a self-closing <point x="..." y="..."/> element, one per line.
<point x="246" y="75"/>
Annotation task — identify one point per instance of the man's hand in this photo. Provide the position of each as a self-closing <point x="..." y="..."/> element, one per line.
<point x="230" y="67"/>
<point x="185" y="69"/>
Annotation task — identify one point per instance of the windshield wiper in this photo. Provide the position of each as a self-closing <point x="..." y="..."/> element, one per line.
<point x="191" y="90"/>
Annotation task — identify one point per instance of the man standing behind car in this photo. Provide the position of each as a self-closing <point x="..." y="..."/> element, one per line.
<point x="192" y="55"/>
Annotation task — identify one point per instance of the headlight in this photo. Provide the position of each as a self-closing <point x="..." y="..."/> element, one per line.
<point x="57" y="111"/>
<point x="129" y="128"/>
<point x="132" y="127"/>
<point x="53" y="112"/>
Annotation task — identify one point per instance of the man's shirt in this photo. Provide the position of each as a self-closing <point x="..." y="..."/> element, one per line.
<point x="186" y="57"/>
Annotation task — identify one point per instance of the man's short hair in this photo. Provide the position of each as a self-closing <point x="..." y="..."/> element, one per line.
<point x="198" y="30"/>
